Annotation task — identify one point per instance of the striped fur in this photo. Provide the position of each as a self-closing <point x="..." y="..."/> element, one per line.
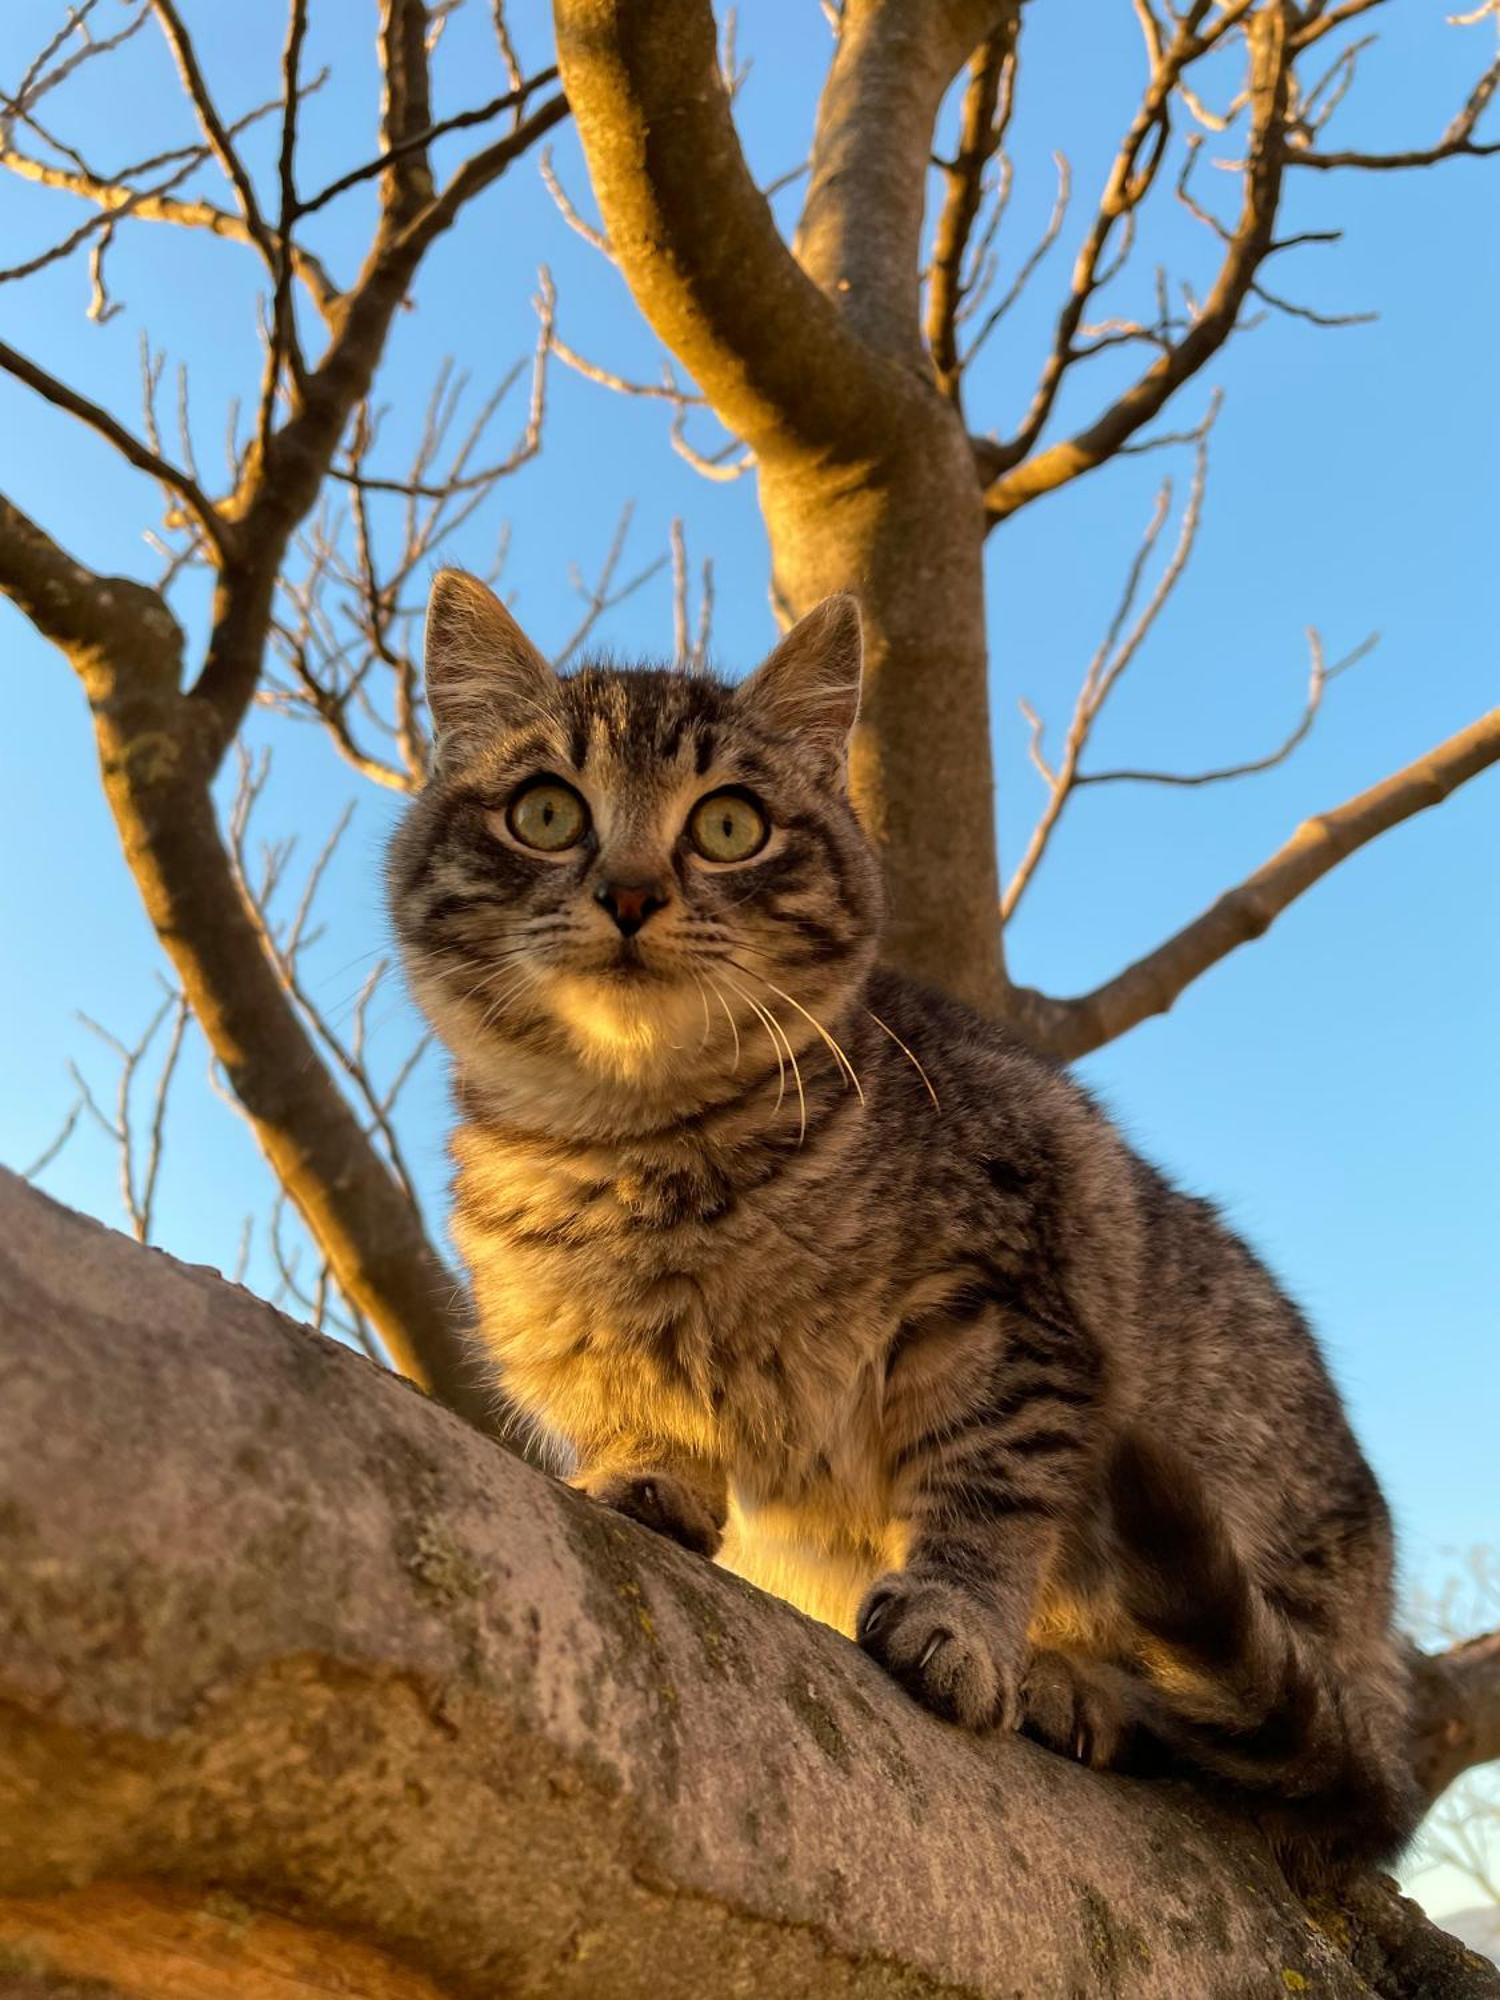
<point x="803" y="1264"/>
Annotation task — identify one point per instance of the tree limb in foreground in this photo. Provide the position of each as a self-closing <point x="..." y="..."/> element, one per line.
<point x="299" y="1676"/>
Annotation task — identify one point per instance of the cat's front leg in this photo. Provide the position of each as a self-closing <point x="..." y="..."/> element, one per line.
<point x="992" y="1428"/>
<point x="684" y="1499"/>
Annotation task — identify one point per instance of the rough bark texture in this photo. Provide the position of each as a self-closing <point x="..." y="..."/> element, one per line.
<point x="305" y="1686"/>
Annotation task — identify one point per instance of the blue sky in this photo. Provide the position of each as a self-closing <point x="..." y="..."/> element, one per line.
<point x="1335" y="1084"/>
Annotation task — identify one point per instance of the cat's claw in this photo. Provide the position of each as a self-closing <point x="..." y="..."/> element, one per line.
<point x="1074" y="1707"/>
<point x="657" y="1500"/>
<point x="943" y="1645"/>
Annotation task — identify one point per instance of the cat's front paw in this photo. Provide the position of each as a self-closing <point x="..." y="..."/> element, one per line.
<point x="661" y="1502"/>
<point x="945" y="1646"/>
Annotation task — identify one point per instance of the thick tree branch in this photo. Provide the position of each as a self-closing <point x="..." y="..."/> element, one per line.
<point x="1071" y="1028"/>
<point x="860" y="235"/>
<point x="126" y="648"/>
<point x="695" y="236"/>
<point x="302" y="1678"/>
<point x="1460" y="1703"/>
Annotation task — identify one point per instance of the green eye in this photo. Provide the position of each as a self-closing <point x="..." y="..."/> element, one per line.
<point x="547" y="815"/>
<point x="728" y="826"/>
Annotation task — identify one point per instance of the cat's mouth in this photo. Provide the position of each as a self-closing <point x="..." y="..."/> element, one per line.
<point x="628" y="962"/>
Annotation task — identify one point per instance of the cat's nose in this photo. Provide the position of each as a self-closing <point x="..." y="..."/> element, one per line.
<point x="631" y="904"/>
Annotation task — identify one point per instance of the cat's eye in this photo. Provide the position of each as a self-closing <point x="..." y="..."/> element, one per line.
<point x="728" y="826"/>
<point x="547" y="815"/>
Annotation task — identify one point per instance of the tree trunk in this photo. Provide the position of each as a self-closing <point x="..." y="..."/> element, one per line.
<point x="908" y="533"/>
<point x="305" y="1685"/>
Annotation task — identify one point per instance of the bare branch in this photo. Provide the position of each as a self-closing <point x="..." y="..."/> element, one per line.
<point x="603" y="594"/>
<point x="50" y="1151"/>
<point x="286" y="943"/>
<point x="1295" y="311"/>
<point x="1457" y="141"/>
<point x="420" y="141"/>
<point x="668" y="390"/>
<point x="218" y="139"/>
<point x="38" y="79"/>
<point x="567" y="210"/>
<point x="101" y="308"/>
<point x="1113" y="657"/>
<point x="983" y="119"/>
<point x="137" y="1188"/>
<point x="1070" y="1028"/>
<point x="118" y="198"/>
<point x="1316" y="23"/>
<point x="130" y="447"/>
<point x="720" y="466"/>
<point x="1031" y="264"/>
<point x="1022" y="477"/>
<point x="285" y="348"/>
<point x="1131" y="177"/>
<point x="679" y="593"/>
<point x="1319" y="677"/>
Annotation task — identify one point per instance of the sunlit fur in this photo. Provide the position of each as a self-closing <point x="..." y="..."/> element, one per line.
<point x="764" y="1239"/>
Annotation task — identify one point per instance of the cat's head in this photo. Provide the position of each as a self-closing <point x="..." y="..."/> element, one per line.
<point x="626" y="868"/>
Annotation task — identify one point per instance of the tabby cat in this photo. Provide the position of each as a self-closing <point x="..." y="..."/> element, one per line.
<point x="812" y="1269"/>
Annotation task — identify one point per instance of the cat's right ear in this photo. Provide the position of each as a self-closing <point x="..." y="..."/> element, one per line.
<point x="483" y="673"/>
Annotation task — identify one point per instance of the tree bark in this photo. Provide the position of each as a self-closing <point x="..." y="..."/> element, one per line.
<point x="304" y="1684"/>
<point x="156" y="764"/>
<point x="908" y="530"/>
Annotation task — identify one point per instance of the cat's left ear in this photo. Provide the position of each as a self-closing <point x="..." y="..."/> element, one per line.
<point x="808" y="688"/>
<point x="483" y="673"/>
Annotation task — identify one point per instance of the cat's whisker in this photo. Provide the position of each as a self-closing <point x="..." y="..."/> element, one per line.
<point x="516" y="984"/>
<point x="707" y="1023"/>
<point x="487" y="976"/>
<point x="791" y="1056"/>
<point x="498" y="1005"/>
<point x="837" y="1050"/>
<point x="734" y="1026"/>
<point x="926" y="1079"/>
<point x="778" y="1036"/>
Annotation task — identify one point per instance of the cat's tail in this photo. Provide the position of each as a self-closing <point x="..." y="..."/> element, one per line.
<point x="1315" y="1743"/>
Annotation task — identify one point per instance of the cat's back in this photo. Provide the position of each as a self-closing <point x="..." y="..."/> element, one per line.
<point x="1184" y="1303"/>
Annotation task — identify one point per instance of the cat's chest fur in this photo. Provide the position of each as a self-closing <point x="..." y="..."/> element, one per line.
<point x="684" y="1294"/>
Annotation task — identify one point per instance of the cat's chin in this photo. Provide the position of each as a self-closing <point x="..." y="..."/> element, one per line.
<point x="629" y="1019"/>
